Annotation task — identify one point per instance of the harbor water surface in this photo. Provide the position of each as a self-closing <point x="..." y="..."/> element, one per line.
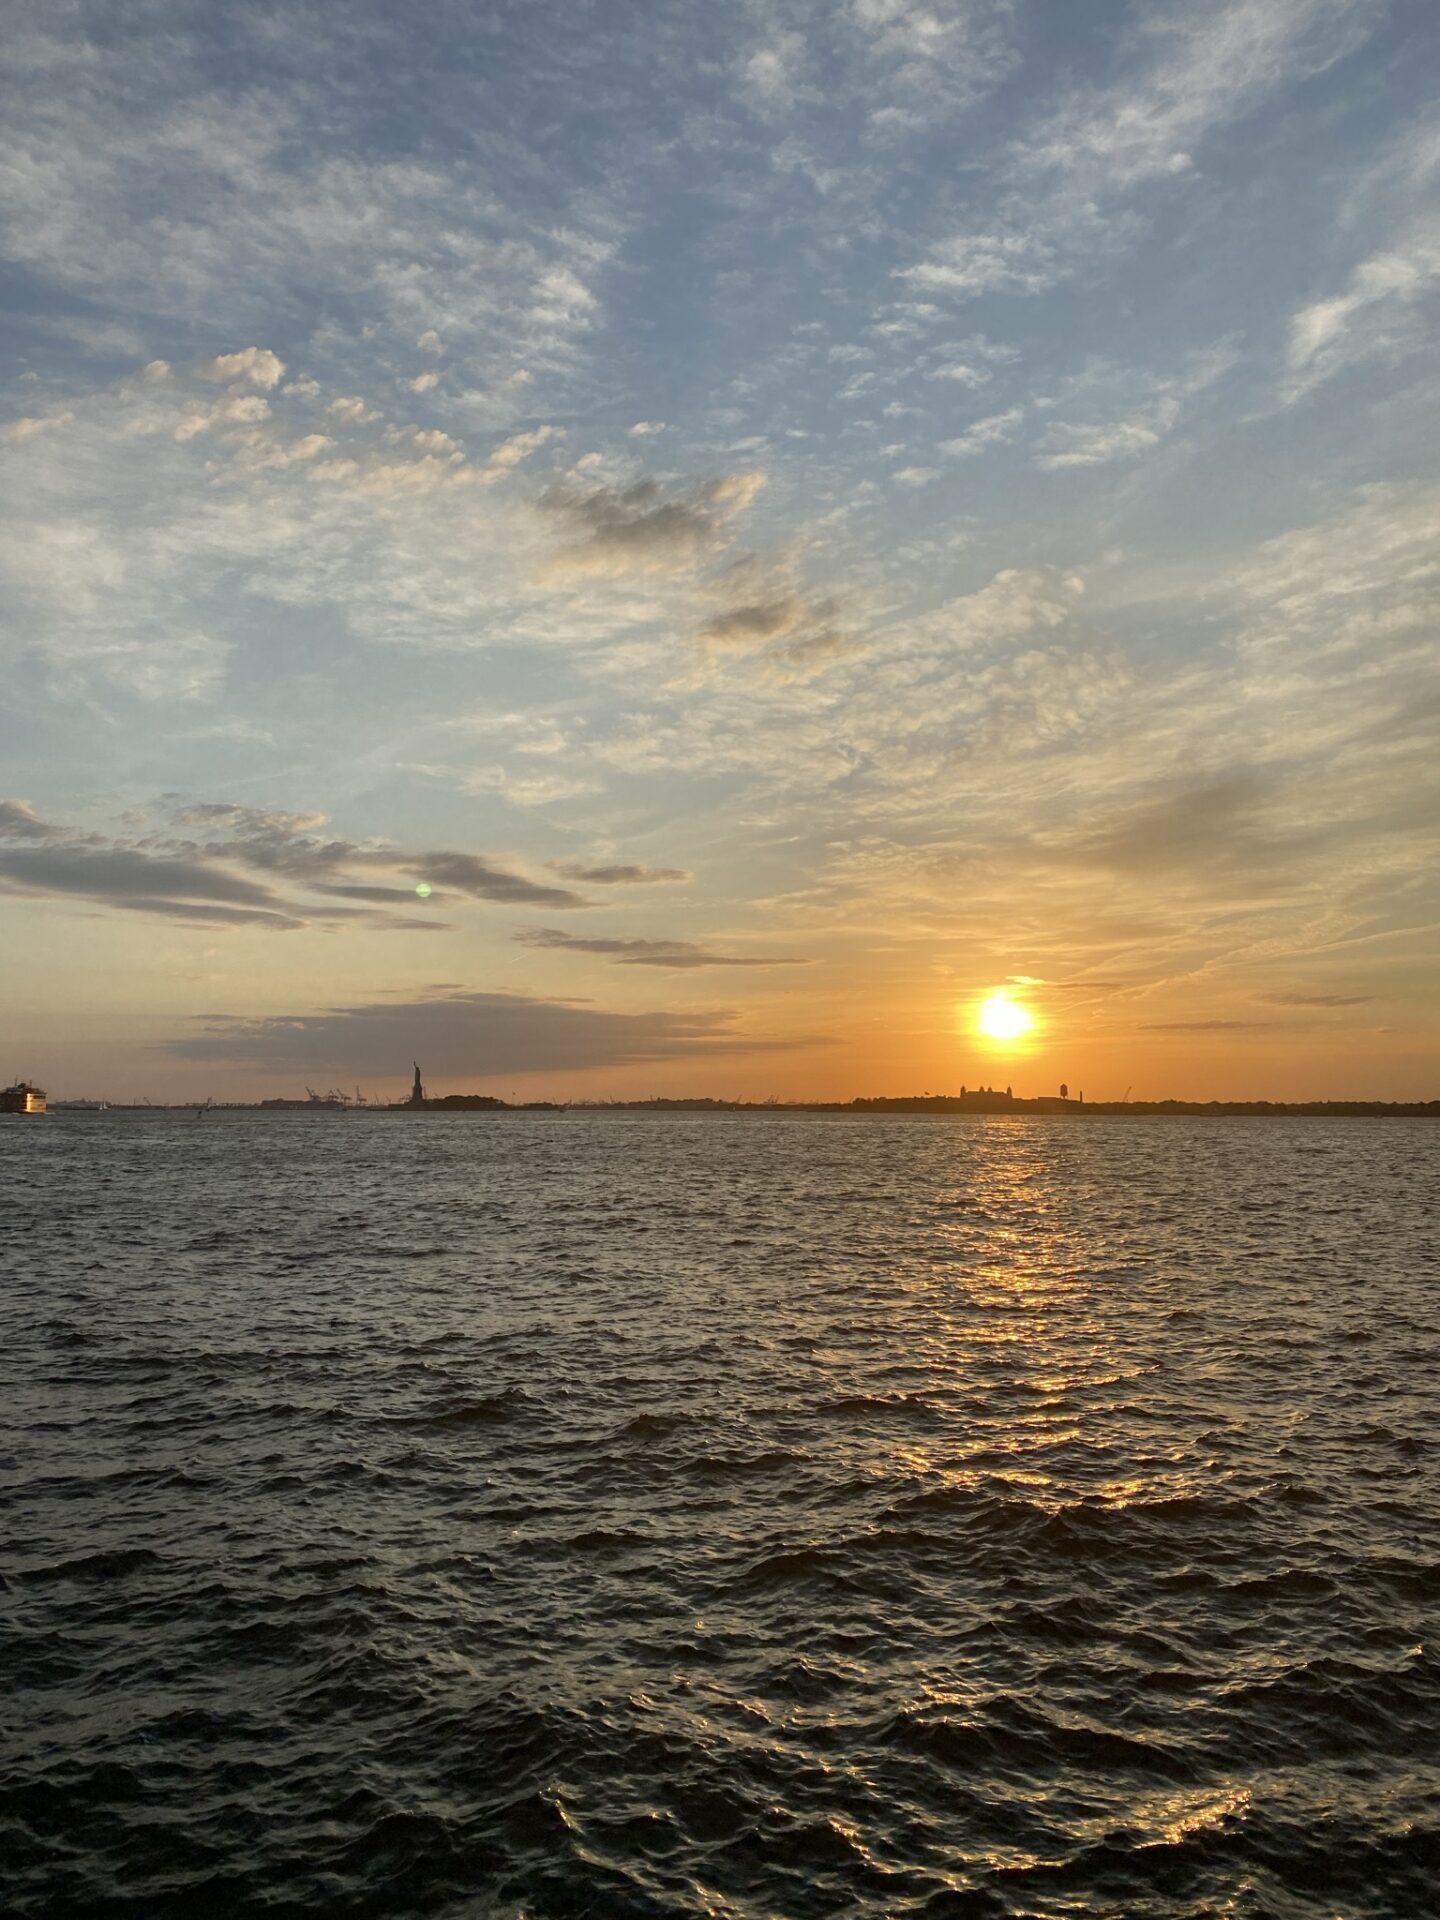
<point x="737" y="1515"/>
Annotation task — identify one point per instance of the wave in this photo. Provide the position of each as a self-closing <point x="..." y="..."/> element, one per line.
<point x="105" y="1564"/>
<point x="484" y="1410"/>
<point x="771" y="1544"/>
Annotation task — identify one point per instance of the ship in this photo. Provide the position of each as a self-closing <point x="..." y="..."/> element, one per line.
<point x="22" y="1098"/>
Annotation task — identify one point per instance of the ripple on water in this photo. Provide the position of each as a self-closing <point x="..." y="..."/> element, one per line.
<point x="613" y="1514"/>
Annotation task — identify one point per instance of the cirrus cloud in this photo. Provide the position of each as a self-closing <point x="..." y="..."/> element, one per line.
<point x="680" y="954"/>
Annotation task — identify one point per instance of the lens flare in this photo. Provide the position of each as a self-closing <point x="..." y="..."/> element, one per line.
<point x="423" y="890"/>
<point x="1001" y="1018"/>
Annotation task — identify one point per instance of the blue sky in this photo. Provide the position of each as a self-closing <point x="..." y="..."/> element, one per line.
<point x="783" y="518"/>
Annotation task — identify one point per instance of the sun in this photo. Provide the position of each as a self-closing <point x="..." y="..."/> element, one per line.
<point x="1001" y="1018"/>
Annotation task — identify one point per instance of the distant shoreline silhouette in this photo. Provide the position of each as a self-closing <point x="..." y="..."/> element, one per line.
<point x="984" y="1102"/>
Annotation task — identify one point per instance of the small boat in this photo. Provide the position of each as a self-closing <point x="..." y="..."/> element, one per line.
<point x="22" y="1098"/>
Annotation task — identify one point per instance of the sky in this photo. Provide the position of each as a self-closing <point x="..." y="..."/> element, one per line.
<point x="620" y="550"/>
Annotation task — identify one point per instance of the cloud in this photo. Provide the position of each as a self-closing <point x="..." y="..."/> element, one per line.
<point x="111" y="539"/>
<point x="1349" y="592"/>
<point x="1202" y="67"/>
<point x="272" y="450"/>
<point x="380" y="479"/>
<point x="1318" y="999"/>
<point x="31" y="425"/>
<point x="1207" y="1026"/>
<point x="1098" y="988"/>
<point x="147" y="182"/>
<point x="990" y="432"/>
<point x="757" y="623"/>
<point x="245" y="820"/>
<point x="351" y="411"/>
<point x="1382" y="310"/>
<point x="424" y="382"/>
<point x="970" y="362"/>
<point x="1066" y="187"/>
<point x="962" y="373"/>
<point x="1095" y="445"/>
<point x="286" y="843"/>
<point x="145" y="883"/>
<point x="617" y="874"/>
<point x="771" y="73"/>
<point x="202" y="877"/>
<point x="530" y="788"/>
<point x="432" y="440"/>
<point x="240" y="410"/>
<point x="19" y="821"/>
<point x="924" y="64"/>
<point x="1149" y="406"/>
<point x="376" y="896"/>
<point x="1211" y="822"/>
<point x="429" y="342"/>
<point x="88" y="573"/>
<point x="561" y="299"/>
<point x="519" y="447"/>
<point x="642" y="428"/>
<point x="974" y="263"/>
<point x="681" y="954"/>
<point x="484" y="880"/>
<point x="255" y="366"/>
<point x="468" y="1035"/>
<point x="641" y="529"/>
<point x="770" y="624"/>
<point x="1017" y="602"/>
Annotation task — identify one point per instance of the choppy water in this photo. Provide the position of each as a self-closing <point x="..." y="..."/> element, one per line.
<point x="753" y="1516"/>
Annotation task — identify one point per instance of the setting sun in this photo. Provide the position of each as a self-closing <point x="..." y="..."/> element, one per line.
<point x="1001" y="1018"/>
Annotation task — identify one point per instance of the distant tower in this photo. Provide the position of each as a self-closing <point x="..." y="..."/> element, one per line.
<point x="417" y="1092"/>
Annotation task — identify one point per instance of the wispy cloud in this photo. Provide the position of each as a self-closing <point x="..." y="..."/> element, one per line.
<point x="1144" y="407"/>
<point x="1387" y="300"/>
<point x="609" y="873"/>
<point x="992" y="431"/>
<point x="1318" y="999"/>
<point x="1068" y="188"/>
<point x="197" y="879"/>
<point x="1205" y="1026"/>
<point x="679" y="954"/>
<point x="142" y="882"/>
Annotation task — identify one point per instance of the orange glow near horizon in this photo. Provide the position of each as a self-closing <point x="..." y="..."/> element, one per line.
<point x="998" y="1017"/>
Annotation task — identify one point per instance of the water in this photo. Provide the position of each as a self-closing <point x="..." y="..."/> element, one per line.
<point x="636" y="1515"/>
